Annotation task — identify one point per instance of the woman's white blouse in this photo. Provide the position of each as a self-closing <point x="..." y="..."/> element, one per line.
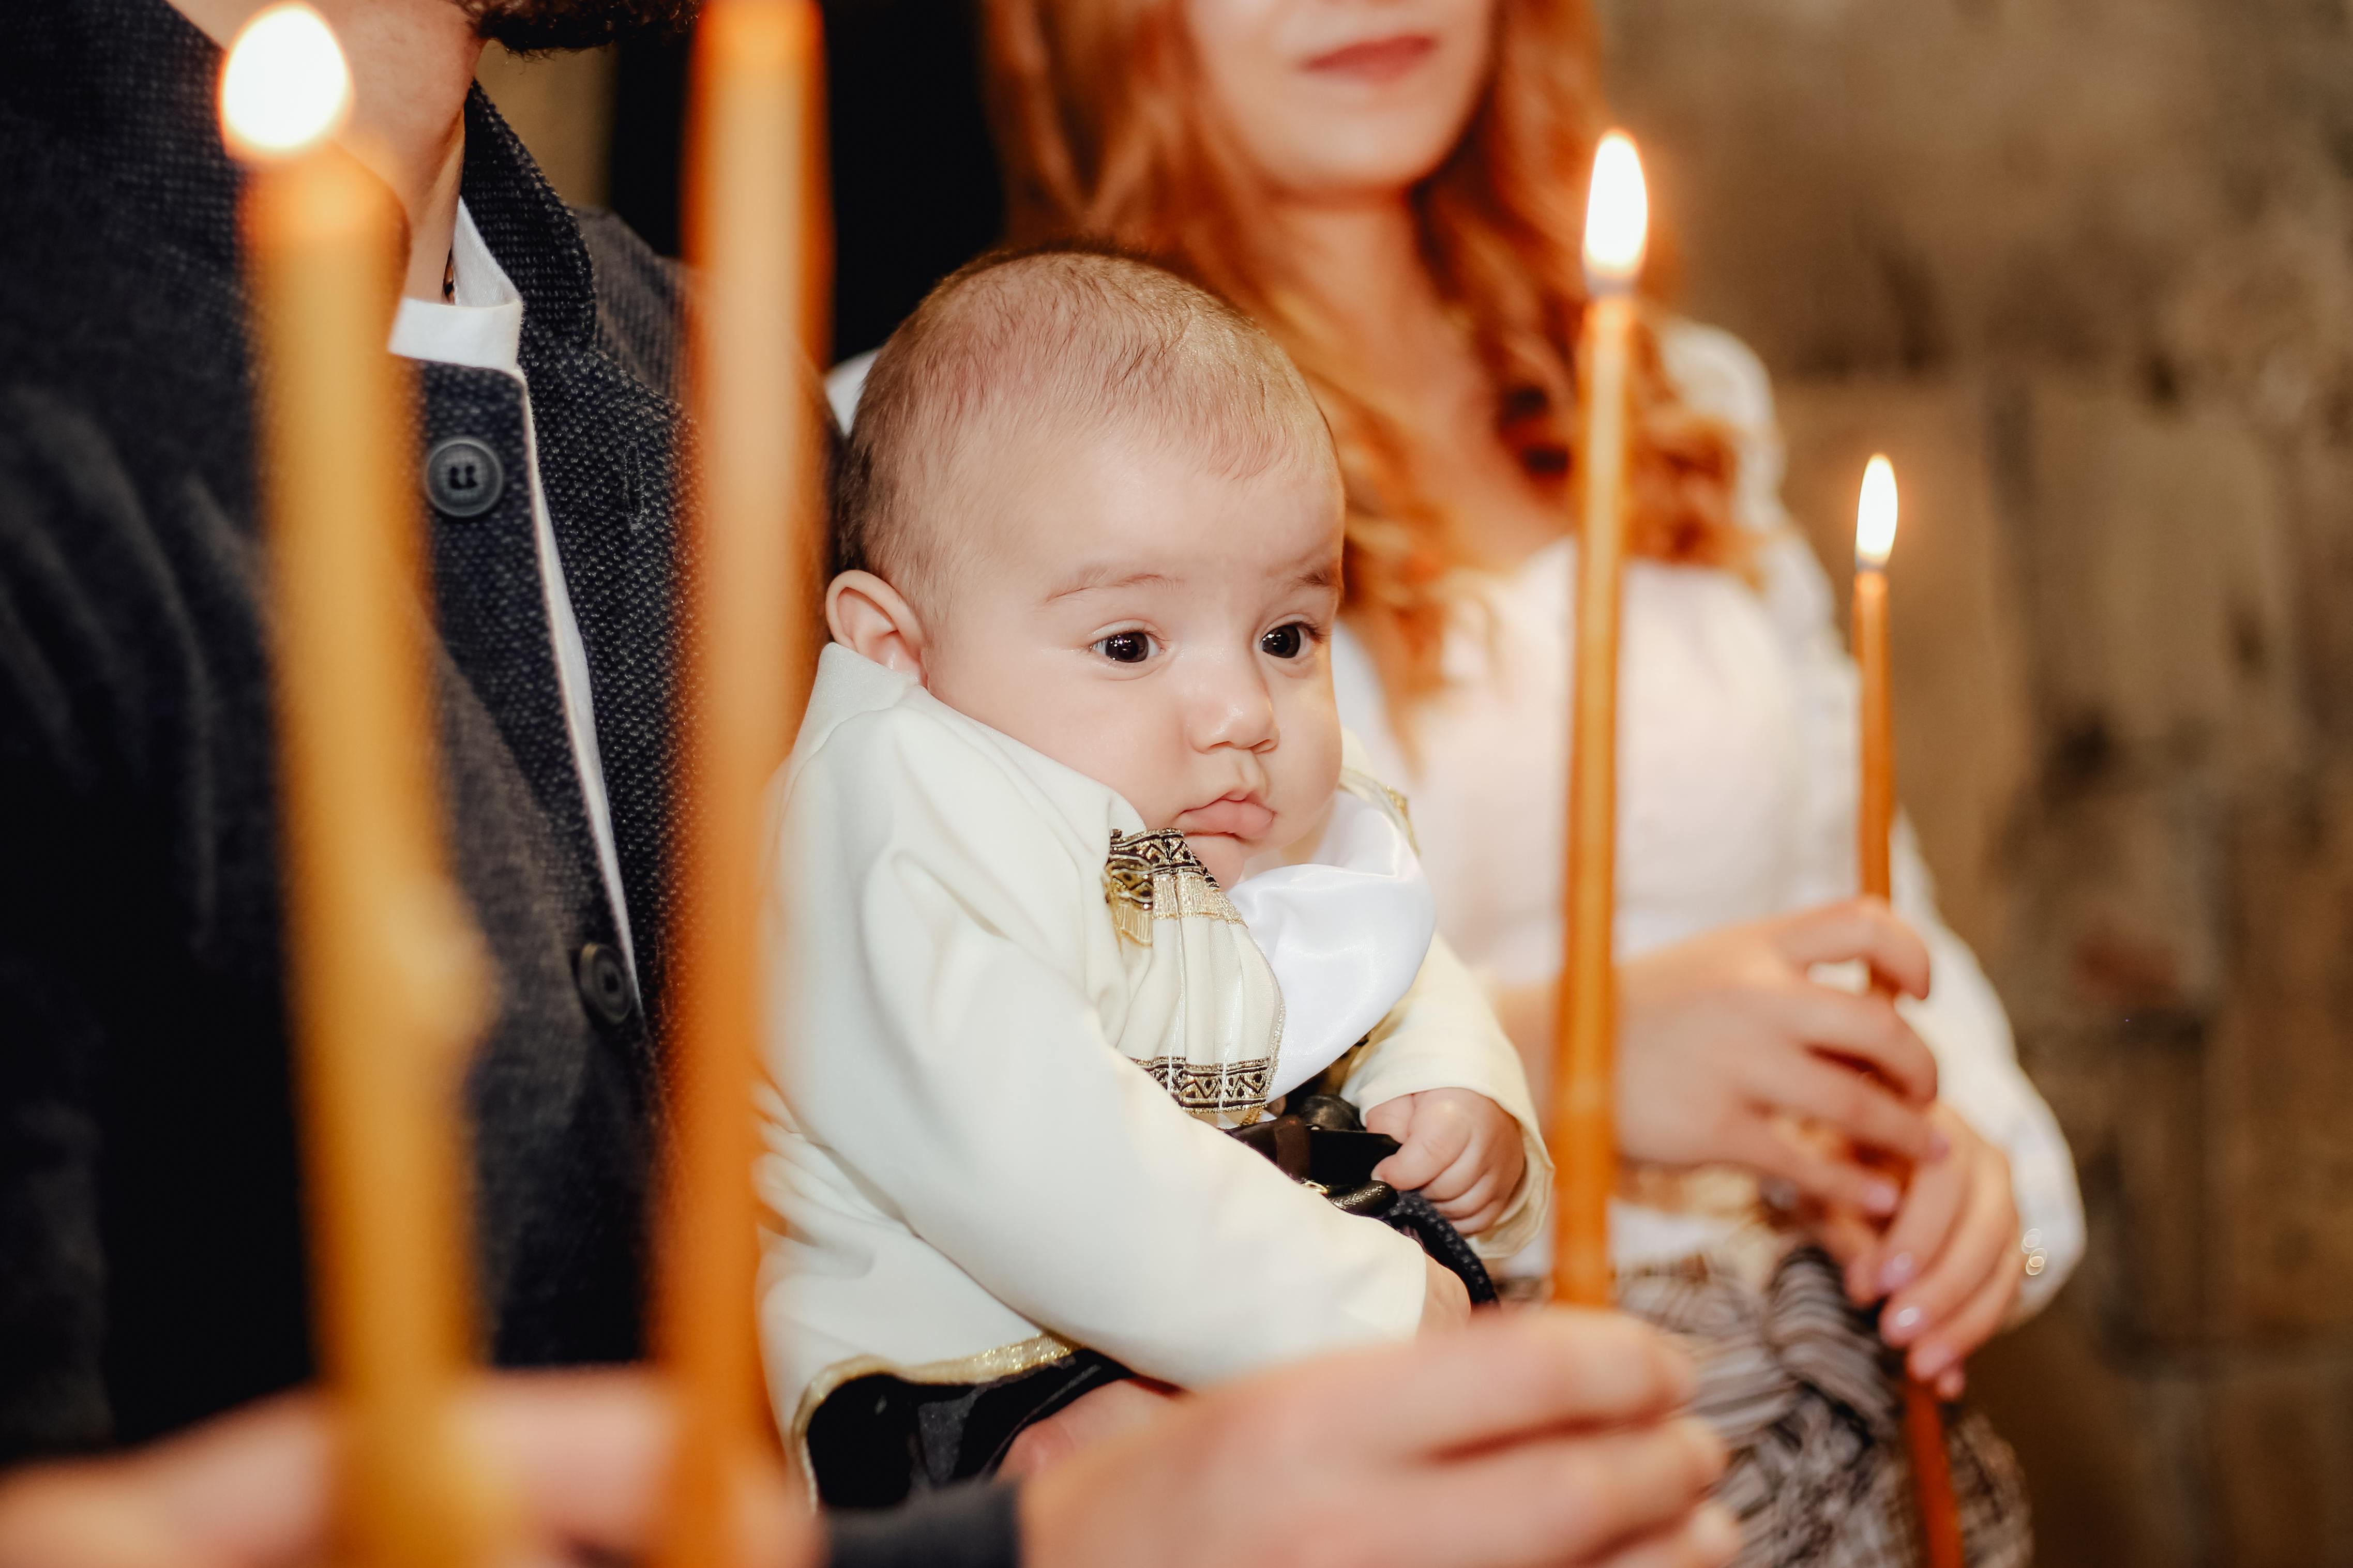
<point x="1736" y="791"/>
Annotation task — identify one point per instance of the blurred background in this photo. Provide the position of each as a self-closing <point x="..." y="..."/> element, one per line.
<point x="2084" y="268"/>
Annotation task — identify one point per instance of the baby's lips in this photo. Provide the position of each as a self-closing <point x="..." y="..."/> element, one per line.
<point x="1244" y="818"/>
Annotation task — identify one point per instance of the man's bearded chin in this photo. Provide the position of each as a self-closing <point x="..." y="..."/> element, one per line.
<point x="532" y="25"/>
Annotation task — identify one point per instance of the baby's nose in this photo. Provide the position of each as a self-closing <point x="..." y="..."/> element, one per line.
<point x="1235" y="709"/>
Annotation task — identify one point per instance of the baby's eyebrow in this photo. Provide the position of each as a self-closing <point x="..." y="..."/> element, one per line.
<point x="1323" y="575"/>
<point x="1092" y="579"/>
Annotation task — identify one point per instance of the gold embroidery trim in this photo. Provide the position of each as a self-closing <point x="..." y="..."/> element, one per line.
<point x="1212" y="1088"/>
<point x="1405" y="817"/>
<point x="1157" y="876"/>
<point x="1136" y="858"/>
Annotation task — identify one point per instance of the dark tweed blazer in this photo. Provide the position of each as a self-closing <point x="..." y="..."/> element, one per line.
<point x="151" y="1252"/>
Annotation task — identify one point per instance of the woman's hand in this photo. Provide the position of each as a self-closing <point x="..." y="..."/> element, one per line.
<point x="1723" y="1042"/>
<point x="1951" y="1265"/>
<point x="1457" y="1148"/>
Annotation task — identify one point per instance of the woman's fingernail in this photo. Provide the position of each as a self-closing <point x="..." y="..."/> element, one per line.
<point x="1939" y="1146"/>
<point x="1930" y="1360"/>
<point x="1902" y="1325"/>
<point x="1716" y="1533"/>
<point x="1897" y="1273"/>
<point x="1881" y="1197"/>
<point x="1950" y="1386"/>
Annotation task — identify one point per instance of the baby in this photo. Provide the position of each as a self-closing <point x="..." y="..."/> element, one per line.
<point x="1071" y="800"/>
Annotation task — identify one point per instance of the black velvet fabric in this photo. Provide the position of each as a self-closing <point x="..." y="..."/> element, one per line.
<point x="151" y="1262"/>
<point x="1415" y="1217"/>
<point x="878" y="1441"/>
<point x="973" y="1525"/>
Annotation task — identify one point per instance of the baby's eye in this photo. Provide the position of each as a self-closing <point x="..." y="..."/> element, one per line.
<point x="1285" y="641"/>
<point x="1126" y="648"/>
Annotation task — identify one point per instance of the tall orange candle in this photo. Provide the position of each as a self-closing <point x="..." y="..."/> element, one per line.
<point x="755" y="232"/>
<point x="387" y="986"/>
<point x="1584" y="1145"/>
<point x="1875" y="538"/>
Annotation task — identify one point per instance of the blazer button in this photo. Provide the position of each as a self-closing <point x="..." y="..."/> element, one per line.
<point x="463" y="477"/>
<point x="604" y="982"/>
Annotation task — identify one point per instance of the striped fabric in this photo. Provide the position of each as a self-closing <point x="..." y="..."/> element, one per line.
<point x="1798" y="1386"/>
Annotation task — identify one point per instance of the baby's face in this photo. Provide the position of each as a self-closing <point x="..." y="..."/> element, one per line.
<point x="1163" y="629"/>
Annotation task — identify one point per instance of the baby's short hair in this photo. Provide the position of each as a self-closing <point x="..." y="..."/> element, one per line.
<point x="1064" y="340"/>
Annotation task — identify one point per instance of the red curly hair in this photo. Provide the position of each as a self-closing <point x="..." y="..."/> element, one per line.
<point x="1099" y="134"/>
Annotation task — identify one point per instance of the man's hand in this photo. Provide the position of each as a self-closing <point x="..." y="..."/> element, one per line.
<point x="1120" y="1407"/>
<point x="584" y="1455"/>
<point x="1460" y="1149"/>
<point x="1544" y="1437"/>
<point x="1528" y="1438"/>
<point x="1950" y="1266"/>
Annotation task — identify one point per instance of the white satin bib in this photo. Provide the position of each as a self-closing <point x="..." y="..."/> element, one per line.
<point x="1344" y="932"/>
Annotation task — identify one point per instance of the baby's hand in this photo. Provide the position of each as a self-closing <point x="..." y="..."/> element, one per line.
<point x="1462" y="1151"/>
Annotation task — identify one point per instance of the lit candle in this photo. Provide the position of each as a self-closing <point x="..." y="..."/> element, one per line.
<point x="387" y="990"/>
<point x="1875" y="538"/>
<point x="1583" y="1148"/>
<point x="755" y="234"/>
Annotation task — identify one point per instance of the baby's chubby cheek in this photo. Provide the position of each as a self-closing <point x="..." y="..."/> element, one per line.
<point x="1221" y="856"/>
<point x="1301" y="778"/>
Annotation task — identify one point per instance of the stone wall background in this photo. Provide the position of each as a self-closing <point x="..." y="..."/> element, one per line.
<point x="2084" y="268"/>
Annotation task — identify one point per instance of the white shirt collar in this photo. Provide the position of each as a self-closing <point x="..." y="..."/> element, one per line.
<point x="483" y="331"/>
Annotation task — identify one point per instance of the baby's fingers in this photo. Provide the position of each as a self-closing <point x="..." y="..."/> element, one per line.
<point x="1464" y="1180"/>
<point x="1480" y="1219"/>
<point x="1462" y="1189"/>
<point x="1431" y="1145"/>
<point x="1393" y="1117"/>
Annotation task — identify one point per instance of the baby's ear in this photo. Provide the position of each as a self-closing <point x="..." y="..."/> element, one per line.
<point x="870" y="618"/>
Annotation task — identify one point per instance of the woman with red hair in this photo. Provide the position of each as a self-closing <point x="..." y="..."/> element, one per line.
<point x="1395" y="187"/>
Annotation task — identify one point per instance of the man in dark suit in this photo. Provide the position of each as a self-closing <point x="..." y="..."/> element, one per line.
<point x="152" y="1261"/>
<point x="157" y="1269"/>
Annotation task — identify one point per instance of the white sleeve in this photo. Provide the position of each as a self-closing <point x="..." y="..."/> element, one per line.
<point x="1443" y="1034"/>
<point x="1962" y="1020"/>
<point x="941" y="1044"/>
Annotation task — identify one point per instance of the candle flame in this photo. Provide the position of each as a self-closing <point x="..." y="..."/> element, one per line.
<point x="285" y="87"/>
<point x="1874" y="516"/>
<point x="1617" y="216"/>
